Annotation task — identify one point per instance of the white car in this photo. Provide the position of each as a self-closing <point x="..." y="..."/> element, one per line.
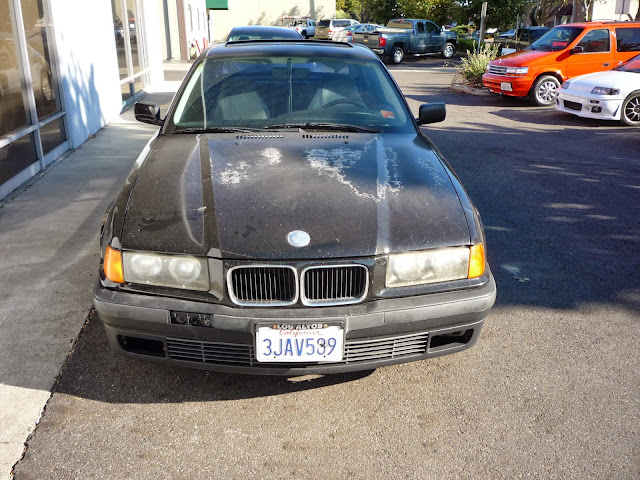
<point x="347" y="34"/>
<point x="610" y="95"/>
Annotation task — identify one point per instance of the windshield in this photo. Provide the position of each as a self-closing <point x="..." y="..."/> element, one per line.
<point x="557" y="38"/>
<point x="631" y="65"/>
<point x="400" y="24"/>
<point x="244" y="35"/>
<point x="266" y="92"/>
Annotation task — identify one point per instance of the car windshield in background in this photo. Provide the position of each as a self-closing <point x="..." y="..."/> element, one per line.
<point x="240" y="34"/>
<point x="557" y="38"/>
<point x="266" y="92"/>
<point x="631" y="65"/>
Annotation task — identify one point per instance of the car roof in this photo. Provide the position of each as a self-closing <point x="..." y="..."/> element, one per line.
<point x="598" y="24"/>
<point x="325" y="48"/>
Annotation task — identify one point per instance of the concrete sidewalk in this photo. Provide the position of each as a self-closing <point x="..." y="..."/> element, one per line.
<point x="49" y="264"/>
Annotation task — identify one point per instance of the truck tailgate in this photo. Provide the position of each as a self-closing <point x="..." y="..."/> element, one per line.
<point x="371" y="40"/>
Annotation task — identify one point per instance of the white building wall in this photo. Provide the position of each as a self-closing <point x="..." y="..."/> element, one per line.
<point x="88" y="66"/>
<point x="619" y="10"/>
<point x="266" y="12"/>
<point x="196" y="25"/>
<point x="154" y="39"/>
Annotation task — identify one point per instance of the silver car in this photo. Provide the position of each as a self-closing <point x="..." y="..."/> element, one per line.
<point x="346" y="34"/>
<point x="327" y="28"/>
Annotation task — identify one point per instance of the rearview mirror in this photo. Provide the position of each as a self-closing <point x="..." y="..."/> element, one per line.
<point x="577" y="49"/>
<point x="147" y="113"/>
<point x="432" y="113"/>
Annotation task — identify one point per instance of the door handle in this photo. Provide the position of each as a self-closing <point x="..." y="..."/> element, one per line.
<point x="605" y="64"/>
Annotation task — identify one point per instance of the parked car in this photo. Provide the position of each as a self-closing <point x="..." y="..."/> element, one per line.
<point x="406" y="36"/>
<point x="611" y="95"/>
<point x="259" y="32"/>
<point x="348" y="33"/>
<point x="518" y="41"/>
<point x="290" y="217"/>
<point x="11" y="90"/>
<point x="564" y="52"/>
<point x="328" y="27"/>
<point x="304" y="26"/>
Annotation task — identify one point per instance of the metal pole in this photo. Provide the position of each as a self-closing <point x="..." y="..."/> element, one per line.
<point x="483" y="15"/>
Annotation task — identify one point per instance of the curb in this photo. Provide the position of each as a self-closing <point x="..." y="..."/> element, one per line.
<point x="458" y="87"/>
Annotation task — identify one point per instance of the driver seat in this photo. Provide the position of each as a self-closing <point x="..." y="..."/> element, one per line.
<point x="336" y="87"/>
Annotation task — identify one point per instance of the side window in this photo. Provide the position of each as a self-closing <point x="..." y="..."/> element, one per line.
<point x="628" y="39"/>
<point x="432" y="28"/>
<point x="596" y="41"/>
<point x="420" y="27"/>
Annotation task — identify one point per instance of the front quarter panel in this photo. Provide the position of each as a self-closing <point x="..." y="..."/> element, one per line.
<point x="113" y="218"/>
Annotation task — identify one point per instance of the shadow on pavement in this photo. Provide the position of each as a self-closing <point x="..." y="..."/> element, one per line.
<point x="95" y="372"/>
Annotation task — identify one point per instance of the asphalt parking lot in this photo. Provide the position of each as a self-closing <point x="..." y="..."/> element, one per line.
<point x="549" y="391"/>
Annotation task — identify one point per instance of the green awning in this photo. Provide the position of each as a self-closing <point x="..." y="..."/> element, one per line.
<point x="218" y="4"/>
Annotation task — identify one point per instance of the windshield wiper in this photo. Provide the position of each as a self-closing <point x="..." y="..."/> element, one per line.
<point x="340" y="127"/>
<point x="216" y="130"/>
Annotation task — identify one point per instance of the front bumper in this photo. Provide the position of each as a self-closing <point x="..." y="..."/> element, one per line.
<point x="378" y="333"/>
<point x="589" y="106"/>
<point x="513" y="86"/>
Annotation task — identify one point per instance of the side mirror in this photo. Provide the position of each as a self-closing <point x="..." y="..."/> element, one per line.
<point x="432" y="113"/>
<point x="147" y="113"/>
<point x="577" y="49"/>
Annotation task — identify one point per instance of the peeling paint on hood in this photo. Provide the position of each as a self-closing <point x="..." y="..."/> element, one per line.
<point x="364" y="196"/>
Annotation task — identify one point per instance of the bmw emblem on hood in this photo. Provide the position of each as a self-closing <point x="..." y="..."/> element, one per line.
<point x="298" y="238"/>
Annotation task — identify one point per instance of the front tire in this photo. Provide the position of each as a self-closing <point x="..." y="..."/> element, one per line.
<point x="449" y="50"/>
<point x="397" y="54"/>
<point x="304" y="34"/>
<point x="544" y="91"/>
<point x="631" y="110"/>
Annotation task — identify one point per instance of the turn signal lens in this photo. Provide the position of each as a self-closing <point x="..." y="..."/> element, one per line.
<point x="476" y="261"/>
<point x="113" y="265"/>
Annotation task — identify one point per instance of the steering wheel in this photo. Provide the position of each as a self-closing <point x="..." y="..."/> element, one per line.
<point x="342" y="100"/>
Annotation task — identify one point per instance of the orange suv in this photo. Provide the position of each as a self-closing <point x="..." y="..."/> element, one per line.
<point x="563" y="52"/>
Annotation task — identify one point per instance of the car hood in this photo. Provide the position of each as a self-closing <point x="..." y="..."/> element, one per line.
<point x="625" y="81"/>
<point x="526" y="57"/>
<point x="238" y="196"/>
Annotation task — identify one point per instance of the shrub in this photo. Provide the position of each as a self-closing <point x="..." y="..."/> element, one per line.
<point x="475" y="65"/>
<point x="465" y="44"/>
<point x="461" y="29"/>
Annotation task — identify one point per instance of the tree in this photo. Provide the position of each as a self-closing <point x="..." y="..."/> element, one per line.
<point x="438" y="11"/>
<point x="500" y="13"/>
<point x="378" y="11"/>
<point x="543" y="8"/>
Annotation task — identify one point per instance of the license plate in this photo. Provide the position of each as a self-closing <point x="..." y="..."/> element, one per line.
<point x="506" y="86"/>
<point x="300" y="343"/>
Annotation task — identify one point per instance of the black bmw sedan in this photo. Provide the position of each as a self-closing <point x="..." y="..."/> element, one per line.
<point x="289" y="217"/>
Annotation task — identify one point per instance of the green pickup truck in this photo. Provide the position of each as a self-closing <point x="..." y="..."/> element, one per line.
<point x="405" y="36"/>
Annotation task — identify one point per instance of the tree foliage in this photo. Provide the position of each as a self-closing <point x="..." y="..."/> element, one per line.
<point x="501" y="14"/>
<point x="438" y="11"/>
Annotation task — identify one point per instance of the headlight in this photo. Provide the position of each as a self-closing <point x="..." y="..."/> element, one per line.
<point x="174" y="271"/>
<point x="517" y="70"/>
<point x="605" y="91"/>
<point x="432" y="266"/>
<point x="565" y="85"/>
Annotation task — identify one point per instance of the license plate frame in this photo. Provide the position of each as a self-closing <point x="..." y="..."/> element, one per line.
<point x="299" y="343"/>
